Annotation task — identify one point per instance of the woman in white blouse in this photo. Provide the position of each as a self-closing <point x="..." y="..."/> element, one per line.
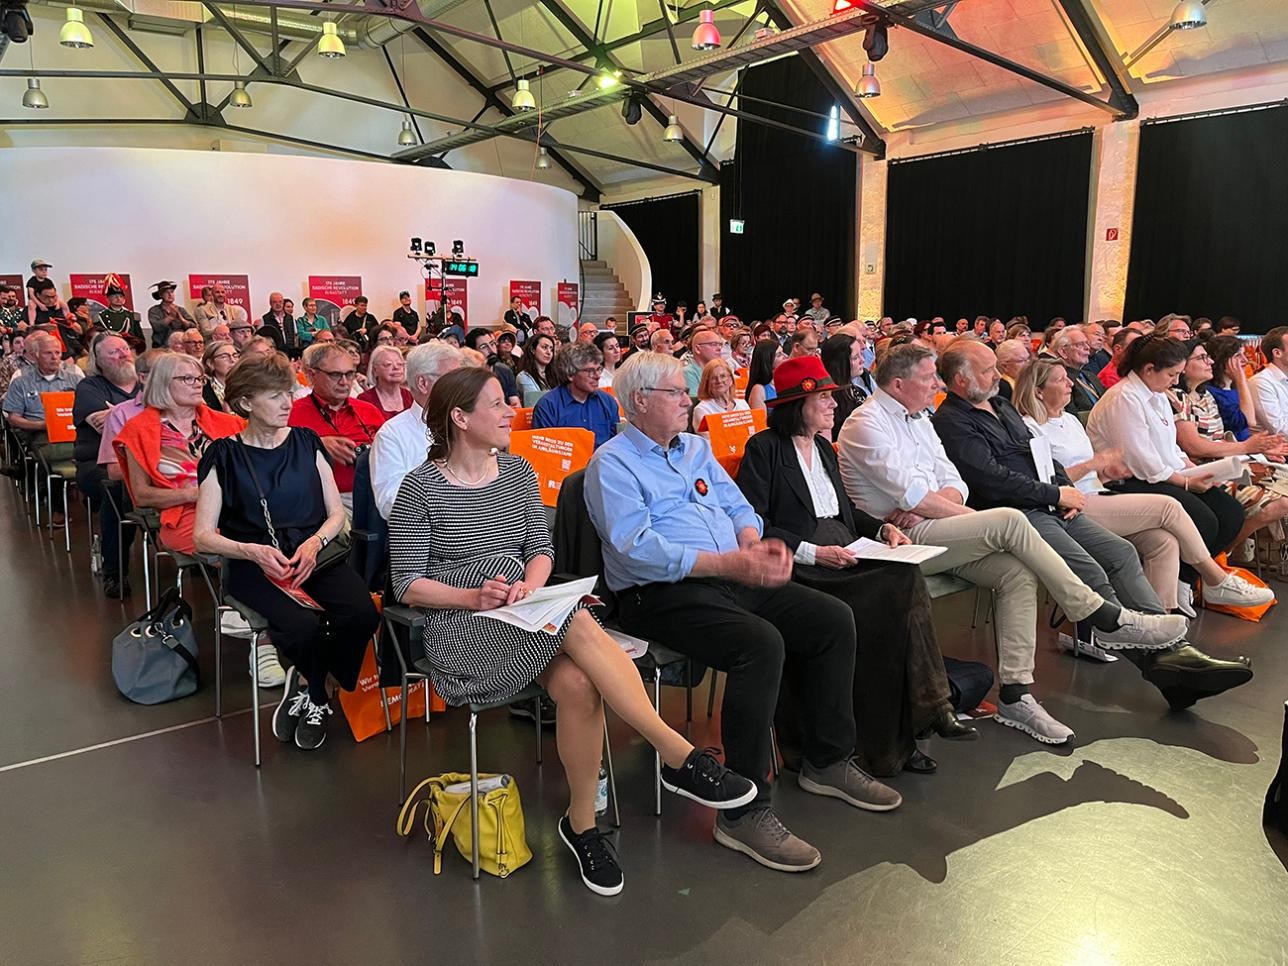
<point x="1157" y="525"/>
<point x="715" y="394"/>
<point x="611" y="350"/>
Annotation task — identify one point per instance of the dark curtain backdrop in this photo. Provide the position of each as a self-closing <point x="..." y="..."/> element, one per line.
<point x="797" y="197"/>
<point x="1211" y="219"/>
<point x="669" y="230"/>
<point x="998" y="232"/>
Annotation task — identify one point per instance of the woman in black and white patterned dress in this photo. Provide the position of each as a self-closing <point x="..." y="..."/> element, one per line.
<point x="467" y="533"/>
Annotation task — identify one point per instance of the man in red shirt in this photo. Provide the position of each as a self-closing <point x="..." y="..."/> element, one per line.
<point x="346" y="425"/>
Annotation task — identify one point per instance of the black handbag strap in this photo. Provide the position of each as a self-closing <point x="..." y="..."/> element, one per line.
<point x="176" y="645"/>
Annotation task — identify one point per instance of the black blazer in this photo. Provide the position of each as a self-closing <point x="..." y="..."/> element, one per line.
<point x="770" y="478"/>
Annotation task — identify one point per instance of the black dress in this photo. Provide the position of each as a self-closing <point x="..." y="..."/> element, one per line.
<point x="332" y="641"/>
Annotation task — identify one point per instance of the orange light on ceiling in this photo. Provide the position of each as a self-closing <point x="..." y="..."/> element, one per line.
<point x="840" y="6"/>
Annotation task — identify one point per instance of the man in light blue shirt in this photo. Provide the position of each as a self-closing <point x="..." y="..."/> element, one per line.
<point x="683" y="550"/>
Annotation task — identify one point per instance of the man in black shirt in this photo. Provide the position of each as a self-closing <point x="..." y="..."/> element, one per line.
<point x="992" y="449"/>
<point x="520" y="319"/>
<point x="718" y="309"/>
<point x="406" y="316"/>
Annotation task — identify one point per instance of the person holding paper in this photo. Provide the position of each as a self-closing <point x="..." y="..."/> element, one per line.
<point x="1157" y="525"/>
<point x="790" y="476"/>
<point x="894" y="467"/>
<point x="467" y="534"/>
<point x="683" y="550"/>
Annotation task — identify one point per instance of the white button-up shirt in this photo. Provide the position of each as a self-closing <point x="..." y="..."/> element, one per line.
<point x="1270" y="387"/>
<point x="1133" y="418"/>
<point x="892" y="461"/>
<point x="400" y="445"/>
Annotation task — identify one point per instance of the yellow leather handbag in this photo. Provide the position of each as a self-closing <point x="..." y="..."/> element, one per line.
<point x="503" y="846"/>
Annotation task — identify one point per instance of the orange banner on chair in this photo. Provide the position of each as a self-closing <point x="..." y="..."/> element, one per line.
<point x="58" y="416"/>
<point x="522" y="419"/>
<point x="729" y="433"/>
<point x="555" y="454"/>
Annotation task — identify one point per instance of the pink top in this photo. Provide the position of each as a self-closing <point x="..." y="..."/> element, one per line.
<point x="117" y="416"/>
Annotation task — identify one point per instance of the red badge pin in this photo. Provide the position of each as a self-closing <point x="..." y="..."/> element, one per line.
<point x="701" y="487"/>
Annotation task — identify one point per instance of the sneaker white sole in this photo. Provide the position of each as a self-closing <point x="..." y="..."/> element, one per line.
<point x="1103" y="641"/>
<point x="286" y="696"/>
<point x="597" y="889"/>
<point x="314" y="748"/>
<point x="1032" y="733"/>
<point x="738" y="802"/>
<point x="831" y="791"/>
<point x="1240" y="602"/>
<point x="729" y="842"/>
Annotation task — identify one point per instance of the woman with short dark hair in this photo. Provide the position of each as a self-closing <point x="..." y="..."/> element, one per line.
<point x="790" y="476"/>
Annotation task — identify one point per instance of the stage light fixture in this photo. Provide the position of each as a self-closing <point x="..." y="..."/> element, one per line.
<point x="705" y="34"/>
<point x="330" y="45"/>
<point x="240" y="97"/>
<point x="406" y="136"/>
<point x="869" y="86"/>
<point x="631" y="110"/>
<point x="673" y="131"/>
<point x="840" y="6"/>
<point x="430" y="249"/>
<point x="74" y="33"/>
<point x="876" y="40"/>
<point x="415" y="245"/>
<point x="33" y="96"/>
<point x="523" y="99"/>
<point x="1188" y="15"/>
<point x="458" y="248"/>
<point x="607" y="78"/>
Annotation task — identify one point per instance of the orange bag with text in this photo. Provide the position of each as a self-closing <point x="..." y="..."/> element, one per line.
<point x="362" y="706"/>
<point x="1243" y="613"/>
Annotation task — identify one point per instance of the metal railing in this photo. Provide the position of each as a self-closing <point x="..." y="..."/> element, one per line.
<point x="588" y="235"/>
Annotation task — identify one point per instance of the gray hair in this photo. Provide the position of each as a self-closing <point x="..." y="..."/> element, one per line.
<point x="431" y="360"/>
<point x="1017" y="348"/>
<point x="156" y="393"/>
<point x="897" y="362"/>
<point x="315" y="355"/>
<point x="572" y="357"/>
<point x="376" y="353"/>
<point x="642" y="370"/>
<point x="1063" y="338"/>
<point x="91" y="364"/>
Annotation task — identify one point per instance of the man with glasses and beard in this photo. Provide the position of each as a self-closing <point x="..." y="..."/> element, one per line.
<point x="484" y="341"/>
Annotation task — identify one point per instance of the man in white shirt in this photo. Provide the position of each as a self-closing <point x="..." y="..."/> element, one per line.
<point x="894" y="467"/>
<point x="400" y="445"/>
<point x="1270" y="385"/>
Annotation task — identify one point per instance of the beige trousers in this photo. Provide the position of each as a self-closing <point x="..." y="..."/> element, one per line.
<point x="1000" y="550"/>
<point x="1160" y="530"/>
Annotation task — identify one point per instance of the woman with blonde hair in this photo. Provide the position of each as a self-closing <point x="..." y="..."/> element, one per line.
<point x="715" y="394"/>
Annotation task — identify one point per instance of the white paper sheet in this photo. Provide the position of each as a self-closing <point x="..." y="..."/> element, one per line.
<point x="912" y="553"/>
<point x="1221" y="471"/>
<point x="1043" y="461"/>
<point x="547" y="608"/>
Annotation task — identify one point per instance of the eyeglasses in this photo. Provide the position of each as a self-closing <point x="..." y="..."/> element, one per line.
<point x="673" y="393"/>
<point x="191" y="380"/>
<point x="344" y="376"/>
<point x="224" y="355"/>
<point x="1200" y="357"/>
<point x="591" y="371"/>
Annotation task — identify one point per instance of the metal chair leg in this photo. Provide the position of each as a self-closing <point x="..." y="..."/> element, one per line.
<point x="384" y="703"/>
<point x="536" y="714"/>
<point x="474" y="786"/>
<point x="254" y="699"/>
<point x="402" y="746"/>
<point x="773" y="752"/>
<point x="711" y="694"/>
<point x="67" y="521"/>
<point x="657" y="756"/>
<point x="612" y="778"/>
<point x="219" y="662"/>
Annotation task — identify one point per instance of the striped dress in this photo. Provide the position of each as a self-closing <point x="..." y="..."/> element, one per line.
<point x="461" y="537"/>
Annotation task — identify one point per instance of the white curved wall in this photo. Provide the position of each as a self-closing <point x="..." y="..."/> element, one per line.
<point x="164" y="213"/>
<point x="621" y="250"/>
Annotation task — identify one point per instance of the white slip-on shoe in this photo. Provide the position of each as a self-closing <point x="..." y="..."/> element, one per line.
<point x="1030" y="717"/>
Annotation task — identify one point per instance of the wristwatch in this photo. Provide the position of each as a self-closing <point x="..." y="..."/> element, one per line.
<point x="322" y="540"/>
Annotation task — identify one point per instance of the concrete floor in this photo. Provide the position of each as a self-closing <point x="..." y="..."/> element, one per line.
<point x="143" y="836"/>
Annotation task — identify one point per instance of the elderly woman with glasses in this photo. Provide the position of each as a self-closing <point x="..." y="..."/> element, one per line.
<point x="578" y="401"/>
<point x="159" y="449"/>
<point x="387" y="378"/>
<point x="218" y="360"/>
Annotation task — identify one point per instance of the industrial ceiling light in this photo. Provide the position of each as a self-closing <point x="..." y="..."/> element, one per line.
<point x="330" y="46"/>
<point x="240" y="97"/>
<point x="673" y="131"/>
<point x="74" y="33"/>
<point x="33" y="96"/>
<point x="1188" y="15"/>
<point x="523" y="99"/>
<point x="543" y="159"/>
<point x="869" y="86"/>
<point x="406" y="136"/>
<point x="607" y="77"/>
<point x="705" y="34"/>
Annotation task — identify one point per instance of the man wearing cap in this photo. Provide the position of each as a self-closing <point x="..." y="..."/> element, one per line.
<point x="718" y="309"/>
<point x="661" y="318"/>
<point x="161" y="316"/>
<point x="116" y="318"/>
<point x="816" y="310"/>
<point x="406" y="316"/>
<point x="637" y="340"/>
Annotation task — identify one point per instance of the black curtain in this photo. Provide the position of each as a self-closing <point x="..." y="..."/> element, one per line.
<point x="1000" y="231"/>
<point x="796" y="196"/>
<point x="669" y="231"/>
<point x="1211" y="219"/>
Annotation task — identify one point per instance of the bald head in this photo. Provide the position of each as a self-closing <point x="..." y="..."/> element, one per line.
<point x="969" y="369"/>
<point x="1011" y="357"/>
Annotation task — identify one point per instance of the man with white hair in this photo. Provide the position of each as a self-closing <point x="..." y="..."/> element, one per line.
<point x="1012" y="356"/>
<point x="683" y="551"/>
<point x="401" y="444"/>
<point x="1072" y="347"/>
<point x="23" y="409"/>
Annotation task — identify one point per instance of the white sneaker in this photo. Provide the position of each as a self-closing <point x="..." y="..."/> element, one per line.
<point x="264" y="663"/>
<point x="1237" y="592"/>
<point x="1150" y="631"/>
<point x="233" y="624"/>
<point x="1185" y="599"/>
<point x="1030" y="717"/>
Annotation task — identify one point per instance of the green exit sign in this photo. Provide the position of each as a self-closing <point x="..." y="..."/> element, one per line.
<point x="736" y="226"/>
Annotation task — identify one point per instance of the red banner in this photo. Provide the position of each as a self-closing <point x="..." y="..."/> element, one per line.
<point x="236" y="288"/>
<point x="529" y="295"/>
<point x="566" y="303"/>
<point x="91" y="287"/>
<point x="16" y="283"/>
<point x="333" y="293"/>
<point x="457" y="297"/>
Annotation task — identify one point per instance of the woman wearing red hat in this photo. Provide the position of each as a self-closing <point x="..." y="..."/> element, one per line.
<point x="790" y="476"/>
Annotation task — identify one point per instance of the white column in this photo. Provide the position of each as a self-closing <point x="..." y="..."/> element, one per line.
<point x="1113" y="197"/>
<point x="869" y="247"/>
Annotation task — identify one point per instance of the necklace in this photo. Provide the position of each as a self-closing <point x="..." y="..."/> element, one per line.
<point x="487" y="468"/>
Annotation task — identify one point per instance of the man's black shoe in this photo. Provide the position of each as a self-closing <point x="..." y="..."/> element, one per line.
<point x="920" y="764"/>
<point x="116" y="589"/>
<point x="1186" y="674"/>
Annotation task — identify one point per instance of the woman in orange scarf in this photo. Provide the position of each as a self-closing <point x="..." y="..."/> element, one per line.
<point x="159" y="449"/>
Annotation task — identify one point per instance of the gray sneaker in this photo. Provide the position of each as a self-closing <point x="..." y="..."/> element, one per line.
<point x="1034" y="720"/>
<point x="762" y="836"/>
<point x="1137" y="630"/>
<point x="850" y="783"/>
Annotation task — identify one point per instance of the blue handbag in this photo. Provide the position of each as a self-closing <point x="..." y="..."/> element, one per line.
<point x="154" y="659"/>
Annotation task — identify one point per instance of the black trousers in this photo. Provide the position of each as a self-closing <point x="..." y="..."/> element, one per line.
<point x="1218" y="516"/>
<point x="316" y="643"/>
<point x="760" y="638"/>
<point x="92" y="480"/>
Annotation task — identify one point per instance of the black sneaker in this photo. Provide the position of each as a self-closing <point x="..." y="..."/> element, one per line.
<point x="311" y="731"/>
<point x="523" y="709"/>
<point x="708" y="782"/>
<point x="595" y="858"/>
<point x="287" y="715"/>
